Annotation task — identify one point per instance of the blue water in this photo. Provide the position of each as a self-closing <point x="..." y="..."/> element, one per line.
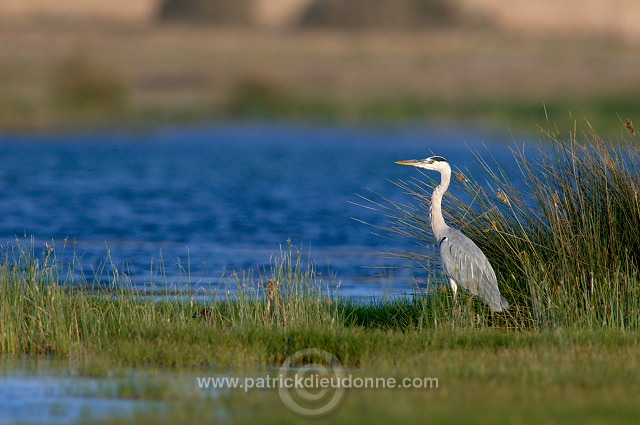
<point x="221" y="199"/>
<point x="51" y="390"/>
<point x="47" y="399"/>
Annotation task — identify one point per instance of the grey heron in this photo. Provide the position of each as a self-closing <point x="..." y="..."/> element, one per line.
<point x="463" y="262"/>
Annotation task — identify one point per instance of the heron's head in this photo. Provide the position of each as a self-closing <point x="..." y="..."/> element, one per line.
<point x="436" y="163"/>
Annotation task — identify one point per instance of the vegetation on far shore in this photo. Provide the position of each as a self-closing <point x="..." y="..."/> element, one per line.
<point x="85" y="93"/>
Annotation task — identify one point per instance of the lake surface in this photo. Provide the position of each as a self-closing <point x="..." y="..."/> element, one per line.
<point x="209" y="201"/>
<point x="54" y="390"/>
<point x="37" y="390"/>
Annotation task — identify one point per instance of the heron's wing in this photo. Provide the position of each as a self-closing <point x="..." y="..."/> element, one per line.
<point x="467" y="265"/>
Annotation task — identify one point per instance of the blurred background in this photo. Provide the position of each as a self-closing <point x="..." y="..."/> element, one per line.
<point x="192" y="143"/>
<point x="66" y="64"/>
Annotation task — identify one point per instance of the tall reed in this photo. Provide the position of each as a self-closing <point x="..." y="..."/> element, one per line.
<point x="561" y="228"/>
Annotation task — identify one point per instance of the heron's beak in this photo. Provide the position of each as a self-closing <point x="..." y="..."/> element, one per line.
<point x="413" y="162"/>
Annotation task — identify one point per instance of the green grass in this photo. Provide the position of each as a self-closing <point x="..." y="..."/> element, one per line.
<point x="484" y="376"/>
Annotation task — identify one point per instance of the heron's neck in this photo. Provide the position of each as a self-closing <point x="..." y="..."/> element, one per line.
<point x="438" y="226"/>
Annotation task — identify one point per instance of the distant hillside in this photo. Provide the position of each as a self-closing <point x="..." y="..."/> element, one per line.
<point x="549" y="17"/>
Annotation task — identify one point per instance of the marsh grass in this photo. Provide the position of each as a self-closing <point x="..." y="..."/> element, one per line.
<point x="561" y="228"/>
<point x="49" y="307"/>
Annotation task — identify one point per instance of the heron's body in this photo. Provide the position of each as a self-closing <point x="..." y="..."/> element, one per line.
<point x="462" y="260"/>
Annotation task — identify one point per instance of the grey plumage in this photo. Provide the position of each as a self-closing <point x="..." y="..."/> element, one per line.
<point x="462" y="260"/>
<point x="467" y="265"/>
